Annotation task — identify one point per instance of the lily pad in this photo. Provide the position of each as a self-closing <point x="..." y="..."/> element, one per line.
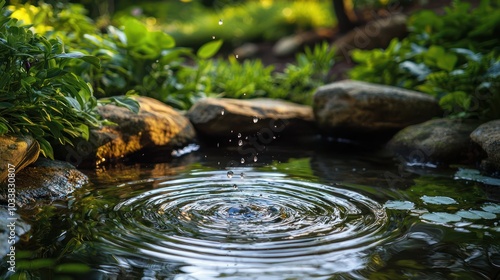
<point x="399" y="205"/>
<point x="440" y="200"/>
<point x="441" y="217"/>
<point x="492" y="208"/>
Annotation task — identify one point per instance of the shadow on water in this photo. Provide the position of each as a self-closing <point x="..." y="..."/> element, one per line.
<point x="282" y="213"/>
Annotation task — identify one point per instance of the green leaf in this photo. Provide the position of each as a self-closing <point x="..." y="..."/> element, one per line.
<point x="162" y="40"/>
<point x="447" y="61"/>
<point x="135" y="31"/>
<point x="209" y="49"/>
<point x="79" y="55"/>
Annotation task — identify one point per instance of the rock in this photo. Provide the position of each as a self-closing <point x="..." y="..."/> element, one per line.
<point x="268" y="118"/>
<point x="289" y="45"/>
<point x="18" y="151"/>
<point x="487" y="136"/>
<point x="156" y="127"/>
<point x="375" y="34"/>
<point x="45" y="180"/>
<point x="438" y="141"/>
<point x="352" y="109"/>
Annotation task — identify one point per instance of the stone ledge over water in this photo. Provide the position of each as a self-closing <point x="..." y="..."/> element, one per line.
<point x="224" y="117"/>
<point x="353" y="109"/>
<point x="438" y="141"/>
<point x="45" y="181"/>
<point x="487" y="136"/>
<point x="156" y="126"/>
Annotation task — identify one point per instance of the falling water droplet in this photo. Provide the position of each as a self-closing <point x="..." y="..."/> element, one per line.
<point x="239" y="135"/>
<point x="230" y="174"/>
<point x="230" y="140"/>
<point x="236" y="56"/>
<point x="255" y="119"/>
<point x="235" y="186"/>
<point x="213" y="37"/>
<point x="220" y="22"/>
<point x="240" y="143"/>
<point x="218" y="145"/>
<point x="255" y="159"/>
<point x="242" y="160"/>
<point x="222" y="112"/>
<point x="242" y="175"/>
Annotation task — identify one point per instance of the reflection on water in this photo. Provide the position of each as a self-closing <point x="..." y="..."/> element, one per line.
<point x="289" y="215"/>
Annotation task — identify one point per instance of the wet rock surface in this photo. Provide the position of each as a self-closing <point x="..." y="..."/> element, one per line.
<point x="438" y="141"/>
<point x="18" y="151"/>
<point x="353" y="109"/>
<point x="223" y="117"/>
<point x="156" y="126"/>
<point x="45" y="181"/>
<point x="487" y="136"/>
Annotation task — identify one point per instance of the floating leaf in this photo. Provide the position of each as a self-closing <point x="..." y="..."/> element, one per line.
<point x="492" y="208"/>
<point x="399" y="205"/>
<point x="441" y="217"/>
<point x="438" y="200"/>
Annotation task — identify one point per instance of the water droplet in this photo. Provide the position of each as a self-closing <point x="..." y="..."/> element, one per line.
<point x="255" y="159"/>
<point x="255" y="119"/>
<point x="218" y="145"/>
<point x="236" y="56"/>
<point x="213" y="37"/>
<point x="230" y="174"/>
<point x="231" y="131"/>
<point x="242" y="160"/>
<point x="230" y="140"/>
<point x="242" y="175"/>
<point x="220" y="22"/>
<point x="222" y="112"/>
<point x="235" y="186"/>
<point x="354" y="169"/>
<point x="239" y="135"/>
<point x="240" y="143"/>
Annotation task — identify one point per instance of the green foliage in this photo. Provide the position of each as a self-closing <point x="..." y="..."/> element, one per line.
<point x="39" y="94"/>
<point x="466" y="82"/>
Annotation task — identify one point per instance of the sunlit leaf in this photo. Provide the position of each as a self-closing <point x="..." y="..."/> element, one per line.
<point x="209" y="49"/>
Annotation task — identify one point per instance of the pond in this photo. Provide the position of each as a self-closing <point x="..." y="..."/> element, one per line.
<point x="342" y="212"/>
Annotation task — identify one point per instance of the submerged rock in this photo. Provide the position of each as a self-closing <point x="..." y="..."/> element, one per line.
<point x="18" y="151"/>
<point x="45" y="181"/>
<point x="487" y="136"/>
<point x="438" y="141"/>
<point x="353" y="109"/>
<point x="156" y="127"/>
<point x="267" y="118"/>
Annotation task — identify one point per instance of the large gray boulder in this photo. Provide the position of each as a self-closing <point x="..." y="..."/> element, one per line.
<point x="156" y="126"/>
<point x="438" y="141"/>
<point x="45" y="181"/>
<point x="352" y="109"/>
<point x="225" y="118"/>
<point x="487" y="136"/>
<point x="18" y="152"/>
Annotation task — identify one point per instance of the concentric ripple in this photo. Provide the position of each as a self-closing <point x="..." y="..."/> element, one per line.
<point x="264" y="223"/>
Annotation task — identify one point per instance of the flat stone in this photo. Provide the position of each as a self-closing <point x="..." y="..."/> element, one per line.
<point x="354" y="109"/>
<point x="438" y="141"/>
<point x="45" y="181"/>
<point x="156" y="126"/>
<point x="225" y="118"/>
<point x="487" y="136"/>
<point x="18" y="151"/>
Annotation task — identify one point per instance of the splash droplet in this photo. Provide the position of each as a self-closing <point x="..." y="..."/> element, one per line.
<point x="242" y="160"/>
<point x="255" y="119"/>
<point x="218" y="145"/>
<point x="230" y="174"/>
<point x="220" y="22"/>
<point x="213" y="37"/>
<point x="242" y="175"/>
<point x="239" y="135"/>
<point x="235" y="186"/>
<point x="255" y="159"/>
<point x="222" y="112"/>
<point x="240" y="143"/>
<point x="236" y="56"/>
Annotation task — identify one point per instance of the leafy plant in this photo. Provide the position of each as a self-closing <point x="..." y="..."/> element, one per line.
<point x="431" y="60"/>
<point x="39" y="95"/>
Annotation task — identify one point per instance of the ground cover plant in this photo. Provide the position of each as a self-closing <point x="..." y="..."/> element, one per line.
<point x="454" y="57"/>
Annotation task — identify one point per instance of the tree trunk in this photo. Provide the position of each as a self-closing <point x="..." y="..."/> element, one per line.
<point x="344" y="23"/>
